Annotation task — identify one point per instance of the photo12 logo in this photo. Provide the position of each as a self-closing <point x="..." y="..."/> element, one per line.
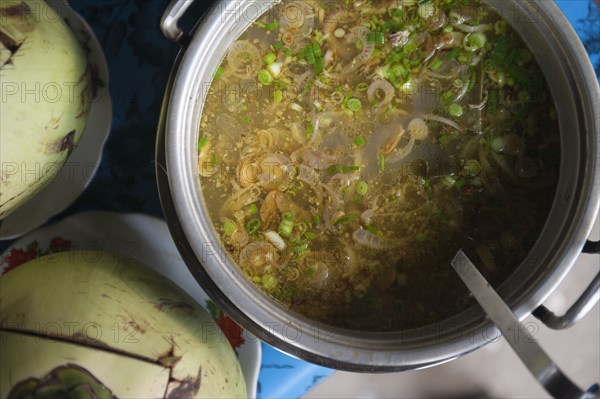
<point x="69" y="172"/>
<point x="42" y="92"/>
<point x="241" y="11"/>
<point x="73" y="331"/>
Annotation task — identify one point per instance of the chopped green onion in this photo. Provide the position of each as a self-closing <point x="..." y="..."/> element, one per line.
<point x="252" y="226"/>
<point x="374" y="230"/>
<point x="201" y="142"/>
<point x="288" y="216"/>
<point x="337" y="97"/>
<point x="310" y="58"/>
<point x="455" y="110"/>
<point x="319" y="37"/>
<point x="453" y="54"/>
<point x="426" y="9"/>
<point x="269" y="281"/>
<point x="253" y="209"/>
<point x="398" y="71"/>
<point x="381" y="162"/>
<point x="362" y="188"/>
<point x="448" y="181"/>
<point x="299" y="248"/>
<point x="285" y="227"/>
<point x="310" y="129"/>
<point x="447" y="97"/>
<point x="409" y="87"/>
<point x="346" y="219"/>
<point x="317" y="51"/>
<point x="445" y="138"/>
<point x="478" y="39"/>
<point x="265" y="77"/>
<point x="317" y="219"/>
<point x="270" y="58"/>
<point x="229" y="226"/>
<point x="246" y="119"/>
<point x="472" y="79"/>
<point x="376" y="37"/>
<point x="436" y="64"/>
<point x="474" y="41"/>
<point x="301" y="227"/>
<point x="472" y="167"/>
<point x="308" y="87"/>
<point x="362" y="86"/>
<point x="462" y="58"/>
<point x="458" y="83"/>
<point x="219" y="72"/>
<point x="319" y="65"/>
<point x="359" y="141"/>
<point x="415" y="60"/>
<point x="310" y="236"/>
<point x="354" y="104"/>
<point x="272" y="25"/>
<point x="277" y="96"/>
<point x="500" y="27"/>
<point x="497" y="144"/>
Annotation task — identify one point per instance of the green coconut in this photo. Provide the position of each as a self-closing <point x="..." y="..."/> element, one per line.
<point x="92" y="325"/>
<point x="45" y="98"/>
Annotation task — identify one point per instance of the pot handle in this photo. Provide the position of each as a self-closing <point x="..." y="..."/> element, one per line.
<point x="581" y="307"/>
<point x="170" y="19"/>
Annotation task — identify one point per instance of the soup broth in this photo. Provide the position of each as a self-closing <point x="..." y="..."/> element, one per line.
<point x="348" y="149"/>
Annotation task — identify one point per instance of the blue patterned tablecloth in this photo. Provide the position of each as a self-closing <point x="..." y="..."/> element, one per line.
<point x="139" y="60"/>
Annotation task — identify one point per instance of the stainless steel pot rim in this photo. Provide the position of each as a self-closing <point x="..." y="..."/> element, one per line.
<point x="342" y="348"/>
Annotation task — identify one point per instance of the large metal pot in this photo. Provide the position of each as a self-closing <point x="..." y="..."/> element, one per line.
<point x="574" y="86"/>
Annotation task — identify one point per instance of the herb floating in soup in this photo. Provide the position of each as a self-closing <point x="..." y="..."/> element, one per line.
<point x="348" y="149"/>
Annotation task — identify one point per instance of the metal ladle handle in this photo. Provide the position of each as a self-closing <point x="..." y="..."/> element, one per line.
<point x="533" y="356"/>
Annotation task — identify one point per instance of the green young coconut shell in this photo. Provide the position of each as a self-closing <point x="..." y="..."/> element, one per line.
<point x="122" y="322"/>
<point x="45" y="98"/>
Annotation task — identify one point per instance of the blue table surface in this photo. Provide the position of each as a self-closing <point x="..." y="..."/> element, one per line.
<point x="139" y="60"/>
